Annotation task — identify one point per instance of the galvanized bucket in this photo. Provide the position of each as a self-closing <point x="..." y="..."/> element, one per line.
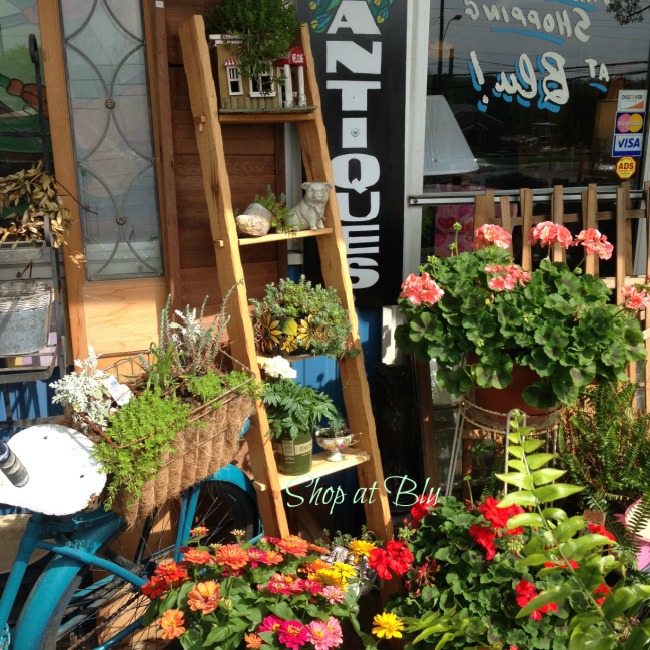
<point x="25" y="309"/>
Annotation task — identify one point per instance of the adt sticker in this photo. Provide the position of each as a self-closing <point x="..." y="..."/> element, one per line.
<point x="627" y="145"/>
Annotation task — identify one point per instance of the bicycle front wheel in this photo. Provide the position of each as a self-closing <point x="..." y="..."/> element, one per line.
<point x="99" y="609"/>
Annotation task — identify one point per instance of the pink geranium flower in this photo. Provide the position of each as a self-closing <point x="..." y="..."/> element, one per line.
<point x="419" y="289"/>
<point x="292" y="634"/>
<point x="548" y="234"/>
<point x="491" y="235"/>
<point x="595" y="242"/>
<point x="635" y="299"/>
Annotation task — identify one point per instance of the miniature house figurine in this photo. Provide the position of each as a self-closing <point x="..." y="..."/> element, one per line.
<point x="284" y="69"/>
<point x="234" y="90"/>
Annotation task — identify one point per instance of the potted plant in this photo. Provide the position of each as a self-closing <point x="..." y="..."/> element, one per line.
<point x="264" y="30"/>
<point x="34" y="193"/>
<point x="299" y="317"/>
<point x="533" y="578"/>
<point x="292" y="411"/>
<point x="265" y="213"/>
<point x="335" y="438"/>
<point x="555" y="323"/>
<point x="164" y="420"/>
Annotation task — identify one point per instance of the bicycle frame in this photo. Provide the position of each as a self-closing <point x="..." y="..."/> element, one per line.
<point x="89" y="531"/>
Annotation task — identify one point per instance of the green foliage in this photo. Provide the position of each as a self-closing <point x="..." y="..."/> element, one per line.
<point x="560" y="324"/>
<point x="598" y="625"/>
<point x="291" y="407"/>
<point x="278" y="209"/>
<point x="337" y="426"/>
<point x="146" y="427"/>
<point x="35" y="191"/>
<point x="451" y="574"/>
<point x="211" y="386"/>
<point x="265" y="27"/>
<point x="605" y="446"/>
<point x="297" y="315"/>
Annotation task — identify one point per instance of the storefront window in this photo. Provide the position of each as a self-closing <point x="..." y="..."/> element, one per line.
<point x="534" y="90"/>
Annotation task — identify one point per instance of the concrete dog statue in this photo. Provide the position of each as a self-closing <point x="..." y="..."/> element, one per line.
<point x="310" y="212"/>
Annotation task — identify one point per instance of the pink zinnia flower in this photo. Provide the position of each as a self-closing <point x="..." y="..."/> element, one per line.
<point x="491" y="235"/>
<point x="335" y="628"/>
<point x="311" y="586"/>
<point x="419" y="289"/>
<point x="333" y="594"/>
<point x="549" y="234"/>
<point x="293" y="634"/>
<point x="270" y="624"/>
<point x="256" y="556"/>
<point x="321" y="636"/>
<point x="595" y="242"/>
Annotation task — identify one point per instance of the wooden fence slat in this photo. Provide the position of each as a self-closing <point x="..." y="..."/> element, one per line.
<point x="506" y="217"/>
<point x="589" y="210"/>
<point x="526" y="204"/>
<point x="491" y="213"/>
<point x="480" y="211"/>
<point x="557" y="216"/>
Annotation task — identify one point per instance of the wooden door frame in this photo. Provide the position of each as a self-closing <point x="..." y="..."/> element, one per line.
<point x="63" y="156"/>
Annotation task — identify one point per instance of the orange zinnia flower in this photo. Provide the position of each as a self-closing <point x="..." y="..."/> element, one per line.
<point x="199" y="531"/>
<point x="231" y="555"/>
<point x="204" y="597"/>
<point x="274" y="557"/>
<point x="253" y="641"/>
<point x="195" y="556"/>
<point x="171" y="572"/>
<point x="294" y="545"/>
<point x="171" y="624"/>
<point x="312" y="567"/>
<point x="318" y="549"/>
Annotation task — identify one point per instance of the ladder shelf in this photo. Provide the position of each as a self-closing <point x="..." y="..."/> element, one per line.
<point x="332" y="249"/>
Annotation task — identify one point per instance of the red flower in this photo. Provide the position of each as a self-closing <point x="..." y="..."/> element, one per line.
<point x="422" y="506"/>
<point x="595" y="242"/>
<point x="498" y="517"/>
<point x="526" y="591"/>
<point x="396" y="557"/>
<point x="601" y="530"/>
<point x="491" y="235"/>
<point x="549" y="234"/>
<point x="155" y="587"/>
<point x="485" y="537"/>
<point x="171" y="572"/>
<point x="419" y="289"/>
<point x="602" y="589"/>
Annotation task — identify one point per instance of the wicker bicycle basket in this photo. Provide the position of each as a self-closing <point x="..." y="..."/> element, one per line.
<point x="198" y="451"/>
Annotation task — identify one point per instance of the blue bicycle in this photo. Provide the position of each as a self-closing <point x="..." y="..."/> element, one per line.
<point x="89" y="593"/>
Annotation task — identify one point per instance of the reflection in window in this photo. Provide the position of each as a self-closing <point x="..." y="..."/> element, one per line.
<point x="535" y="88"/>
<point x="113" y="146"/>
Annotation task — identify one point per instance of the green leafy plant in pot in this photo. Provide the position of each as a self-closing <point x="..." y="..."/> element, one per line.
<point x="293" y="411"/>
<point x="295" y="317"/>
<point x="554" y="321"/>
<point x="266" y="29"/>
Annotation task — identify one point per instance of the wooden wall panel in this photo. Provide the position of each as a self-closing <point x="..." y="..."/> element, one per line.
<point x="253" y="154"/>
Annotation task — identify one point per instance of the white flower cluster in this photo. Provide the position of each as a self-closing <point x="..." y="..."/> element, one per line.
<point x="84" y="392"/>
<point x="278" y="367"/>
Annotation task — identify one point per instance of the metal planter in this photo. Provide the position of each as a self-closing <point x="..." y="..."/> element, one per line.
<point x="25" y="310"/>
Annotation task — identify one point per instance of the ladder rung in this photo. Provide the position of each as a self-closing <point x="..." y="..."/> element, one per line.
<point x="264" y="116"/>
<point x="321" y="467"/>
<point x="282" y="236"/>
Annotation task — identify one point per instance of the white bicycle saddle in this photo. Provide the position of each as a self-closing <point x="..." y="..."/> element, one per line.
<point x="63" y="475"/>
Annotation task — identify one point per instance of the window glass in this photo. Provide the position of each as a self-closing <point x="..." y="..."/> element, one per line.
<point x="234" y="80"/>
<point x="533" y="88"/>
<point x="262" y="86"/>
<point x="20" y="130"/>
<point x="106" y="69"/>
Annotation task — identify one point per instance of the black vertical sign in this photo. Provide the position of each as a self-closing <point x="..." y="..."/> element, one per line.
<point x="359" y="49"/>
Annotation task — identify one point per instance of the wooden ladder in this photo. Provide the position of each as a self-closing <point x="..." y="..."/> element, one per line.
<point x="331" y="246"/>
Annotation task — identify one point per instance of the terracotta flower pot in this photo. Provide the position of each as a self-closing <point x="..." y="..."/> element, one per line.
<point x="503" y="400"/>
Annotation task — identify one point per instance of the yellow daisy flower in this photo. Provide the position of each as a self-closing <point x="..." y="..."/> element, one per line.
<point x="289" y="344"/>
<point x="361" y="548"/>
<point x="388" y="626"/>
<point x="270" y="331"/>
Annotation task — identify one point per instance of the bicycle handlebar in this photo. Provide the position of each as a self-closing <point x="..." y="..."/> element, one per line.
<point x="11" y="466"/>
